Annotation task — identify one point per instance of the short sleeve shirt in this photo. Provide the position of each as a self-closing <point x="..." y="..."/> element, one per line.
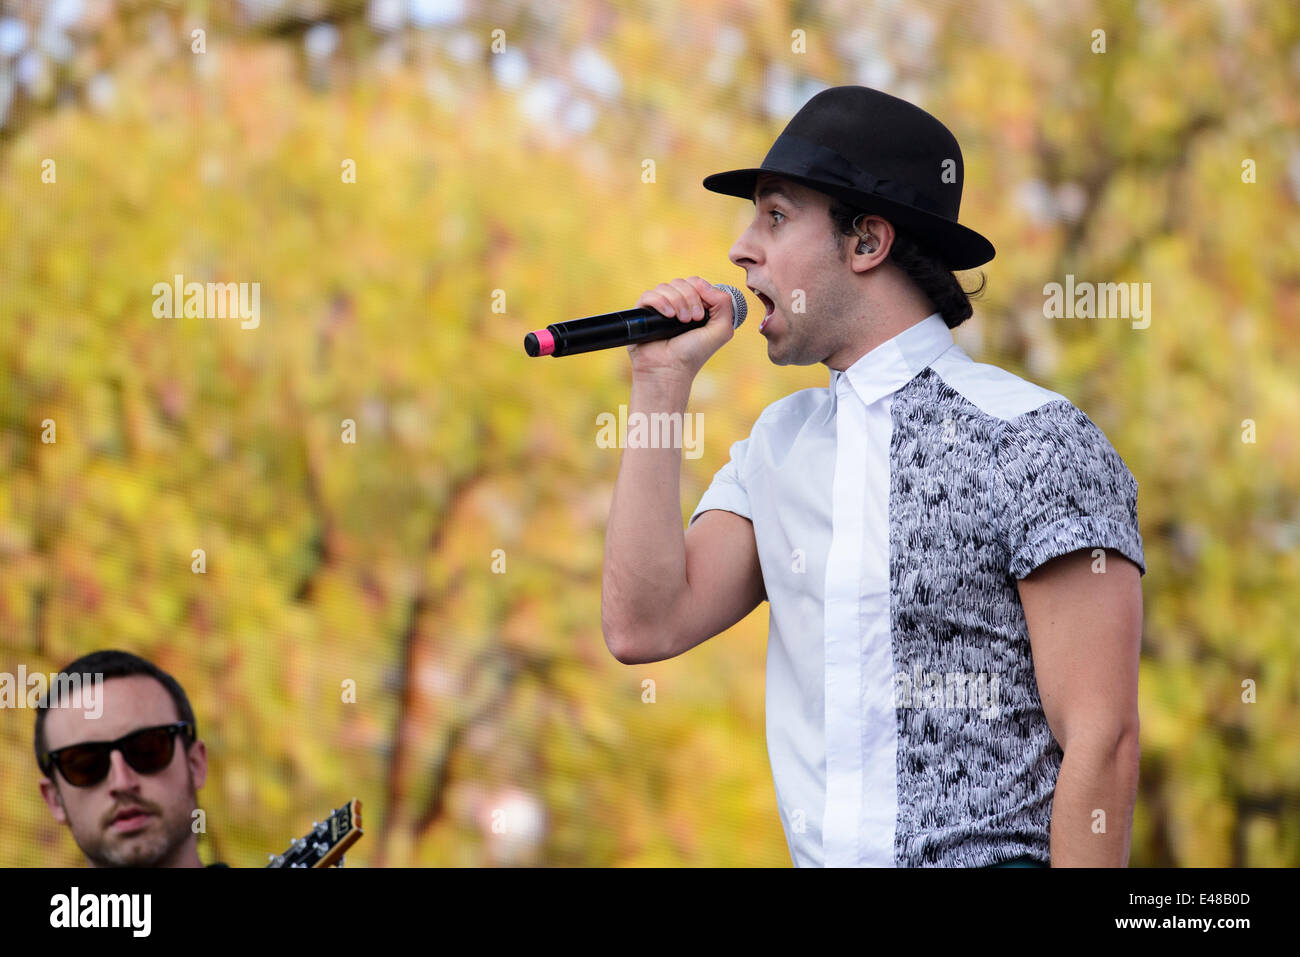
<point x="894" y="512"/>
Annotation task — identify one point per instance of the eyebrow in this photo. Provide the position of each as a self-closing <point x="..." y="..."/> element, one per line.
<point x="774" y="188"/>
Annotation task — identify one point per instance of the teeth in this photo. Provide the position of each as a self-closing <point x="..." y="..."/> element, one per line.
<point x="768" y="305"/>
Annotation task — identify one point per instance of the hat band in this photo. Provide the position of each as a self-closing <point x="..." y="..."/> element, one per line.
<point x="801" y="157"/>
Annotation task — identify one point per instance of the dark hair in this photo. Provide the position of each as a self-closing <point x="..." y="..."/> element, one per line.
<point x="116" y="664"/>
<point x="926" y="270"/>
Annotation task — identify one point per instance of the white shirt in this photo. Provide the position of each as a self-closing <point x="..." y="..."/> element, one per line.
<point x="893" y="512"/>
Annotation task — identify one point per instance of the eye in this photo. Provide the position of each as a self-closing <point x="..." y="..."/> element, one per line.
<point x="776" y="212"/>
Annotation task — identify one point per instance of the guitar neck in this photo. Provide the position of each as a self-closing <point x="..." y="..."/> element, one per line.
<point x="327" y="842"/>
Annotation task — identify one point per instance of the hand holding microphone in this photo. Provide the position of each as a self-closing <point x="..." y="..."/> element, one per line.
<point x="654" y="330"/>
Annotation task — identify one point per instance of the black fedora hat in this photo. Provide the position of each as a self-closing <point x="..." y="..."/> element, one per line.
<point x="878" y="153"/>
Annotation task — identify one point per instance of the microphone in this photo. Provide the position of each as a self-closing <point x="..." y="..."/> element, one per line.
<point x="621" y="328"/>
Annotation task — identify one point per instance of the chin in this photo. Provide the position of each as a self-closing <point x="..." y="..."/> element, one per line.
<point x="147" y="854"/>
<point x="785" y="359"/>
<point x="143" y="850"/>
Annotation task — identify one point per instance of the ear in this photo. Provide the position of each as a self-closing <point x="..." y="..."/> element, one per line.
<point x="875" y="239"/>
<point x="197" y="756"/>
<point x="54" y="800"/>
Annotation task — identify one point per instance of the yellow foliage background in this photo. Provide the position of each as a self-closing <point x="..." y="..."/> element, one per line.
<point x="372" y="561"/>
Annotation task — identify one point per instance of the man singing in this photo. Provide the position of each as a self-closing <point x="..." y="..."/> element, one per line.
<point x="950" y="553"/>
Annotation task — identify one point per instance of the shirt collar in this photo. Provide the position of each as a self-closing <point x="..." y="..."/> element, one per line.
<point x="895" y="362"/>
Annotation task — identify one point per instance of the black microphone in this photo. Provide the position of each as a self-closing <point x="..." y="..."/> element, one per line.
<point x="621" y="329"/>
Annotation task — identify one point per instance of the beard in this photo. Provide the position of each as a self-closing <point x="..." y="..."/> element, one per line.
<point x="151" y="849"/>
<point x="156" y="844"/>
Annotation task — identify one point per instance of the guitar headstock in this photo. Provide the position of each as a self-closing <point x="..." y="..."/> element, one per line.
<point x="325" y="843"/>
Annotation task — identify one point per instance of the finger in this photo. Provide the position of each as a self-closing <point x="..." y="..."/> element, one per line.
<point x="719" y="302"/>
<point x="677" y="298"/>
<point x="691" y="296"/>
<point x="658" y="301"/>
<point x="711" y="294"/>
<point x="652" y="300"/>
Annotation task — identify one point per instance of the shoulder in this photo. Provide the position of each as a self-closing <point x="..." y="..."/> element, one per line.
<point x="993" y="390"/>
<point x="796" y="406"/>
<point x="1054" y="461"/>
<point x="1056" y="436"/>
<point x="1061" y="486"/>
<point x="1030" y="421"/>
<point x="781" y="421"/>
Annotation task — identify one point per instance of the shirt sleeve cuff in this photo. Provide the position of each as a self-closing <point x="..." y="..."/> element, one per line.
<point x="728" y="498"/>
<point x="1070" y="534"/>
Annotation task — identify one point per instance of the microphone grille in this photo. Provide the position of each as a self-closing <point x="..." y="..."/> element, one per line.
<point x="739" y="307"/>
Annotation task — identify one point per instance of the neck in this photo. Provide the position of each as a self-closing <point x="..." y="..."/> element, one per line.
<point x="887" y="303"/>
<point x="875" y="332"/>
<point x="187" y="855"/>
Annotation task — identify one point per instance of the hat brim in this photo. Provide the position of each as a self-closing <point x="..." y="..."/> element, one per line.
<point x="960" y="247"/>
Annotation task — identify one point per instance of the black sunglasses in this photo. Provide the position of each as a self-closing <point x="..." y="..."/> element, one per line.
<point x="148" y="751"/>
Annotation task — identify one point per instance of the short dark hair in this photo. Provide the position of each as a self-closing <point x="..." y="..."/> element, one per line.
<point x="926" y="270"/>
<point x="116" y="664"/>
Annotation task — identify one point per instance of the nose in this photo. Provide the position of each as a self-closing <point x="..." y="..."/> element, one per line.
<point x="745" y="252"/>
<point x="121" y="776"/>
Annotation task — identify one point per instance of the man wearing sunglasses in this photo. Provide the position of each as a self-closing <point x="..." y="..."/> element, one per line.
<point x="125" y="783"/>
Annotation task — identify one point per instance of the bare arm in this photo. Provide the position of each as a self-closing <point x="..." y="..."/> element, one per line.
<point x="1085" y="629"/>
<point x="723" y="584"/>
<point x="664" y="591"/>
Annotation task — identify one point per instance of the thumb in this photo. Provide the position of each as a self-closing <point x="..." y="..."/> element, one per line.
<point x="715" y="298"/>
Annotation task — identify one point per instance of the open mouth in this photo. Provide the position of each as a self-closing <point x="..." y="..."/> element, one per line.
<point x="769" y="307"/>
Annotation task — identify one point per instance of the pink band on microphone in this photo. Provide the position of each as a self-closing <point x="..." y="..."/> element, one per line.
<point x="545" y="342"/>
